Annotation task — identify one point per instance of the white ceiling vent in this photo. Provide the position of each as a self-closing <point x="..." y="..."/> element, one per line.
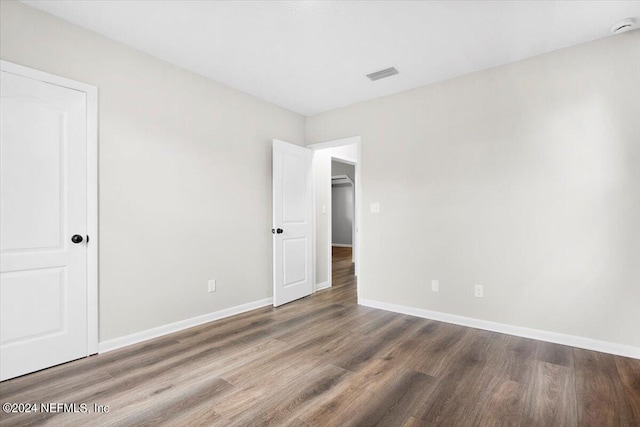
<point x="624" y="25"/>
<point x="388" y="72"/>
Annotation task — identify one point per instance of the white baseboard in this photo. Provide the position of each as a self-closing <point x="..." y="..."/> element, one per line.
<point x="159" y="331"/>
<point x="519" y="331"/>
<point x="323" y="285"/>
<point x="340" y="245"/>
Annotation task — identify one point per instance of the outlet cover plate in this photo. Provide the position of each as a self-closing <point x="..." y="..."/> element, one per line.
<point x="479" y="291"/>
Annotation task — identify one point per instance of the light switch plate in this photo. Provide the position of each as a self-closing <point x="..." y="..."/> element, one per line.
<point x="435" y="286"/>
<point x="374" y="207"/>
<point x="324" y="209"/>
<point x="211" y="285"/>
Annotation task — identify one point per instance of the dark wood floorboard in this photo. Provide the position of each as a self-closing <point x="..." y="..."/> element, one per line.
<point x="325" y="361"/>
<point x="603" y="399"/>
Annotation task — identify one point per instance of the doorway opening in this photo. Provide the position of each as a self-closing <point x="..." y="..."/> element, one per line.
<point x="342" y="222"/>
<point x="336" y="171"/>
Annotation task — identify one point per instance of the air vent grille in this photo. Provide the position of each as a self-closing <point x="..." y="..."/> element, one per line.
<point x="388" y="72"/>
<point x="623" y="26"/>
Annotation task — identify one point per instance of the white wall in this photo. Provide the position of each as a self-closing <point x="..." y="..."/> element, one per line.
<point x="185" y="175"/>
<point x="523" y="178"/>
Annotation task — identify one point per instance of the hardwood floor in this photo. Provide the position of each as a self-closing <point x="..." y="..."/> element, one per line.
<point x="325" y="361"/>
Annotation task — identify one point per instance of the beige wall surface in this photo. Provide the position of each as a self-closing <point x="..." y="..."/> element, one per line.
<point x="523" y="178"/>
<point x="185" y="175"/>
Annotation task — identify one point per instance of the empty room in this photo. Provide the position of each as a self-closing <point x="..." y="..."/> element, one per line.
<point x="319" y="213"/>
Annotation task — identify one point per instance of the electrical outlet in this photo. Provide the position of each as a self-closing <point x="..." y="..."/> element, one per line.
<point x="435" y="286"/>
<point x="479" y="291"/>
<point x="374" y="207"/>
<point x="211" y="285"/>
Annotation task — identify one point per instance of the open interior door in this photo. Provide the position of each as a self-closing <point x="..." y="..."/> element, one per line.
<point x="43" y="203"/>
<point x="292" y="222"/>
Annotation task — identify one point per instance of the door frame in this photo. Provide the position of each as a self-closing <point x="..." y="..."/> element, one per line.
<point x="353" y="225"/>
<point x="340" y="142"/>
<point x="91" y="93"/>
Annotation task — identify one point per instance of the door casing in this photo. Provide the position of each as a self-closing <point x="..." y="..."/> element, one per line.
<point x="358" y="211"/>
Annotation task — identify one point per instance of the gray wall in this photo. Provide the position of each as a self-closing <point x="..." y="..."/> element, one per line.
<point x="176" y="150"/>
<point x="342" y="205"/>
<point x="342" y="214"/>
<point x="524" y="178"/>
<point x="339" y="168"/>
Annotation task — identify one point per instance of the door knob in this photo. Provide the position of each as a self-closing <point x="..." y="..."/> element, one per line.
<point x="76" y="238"/>
<point x="279" y="231"/>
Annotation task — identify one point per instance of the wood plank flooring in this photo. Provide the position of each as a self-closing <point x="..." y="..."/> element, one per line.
<point x="325" y="361"/>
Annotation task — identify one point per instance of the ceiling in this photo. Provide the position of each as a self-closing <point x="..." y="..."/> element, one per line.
<point x="312" y="56"/>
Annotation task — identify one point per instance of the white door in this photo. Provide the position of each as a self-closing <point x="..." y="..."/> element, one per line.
<point x="292" y="222"/>
<point x="43" y="184"/>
